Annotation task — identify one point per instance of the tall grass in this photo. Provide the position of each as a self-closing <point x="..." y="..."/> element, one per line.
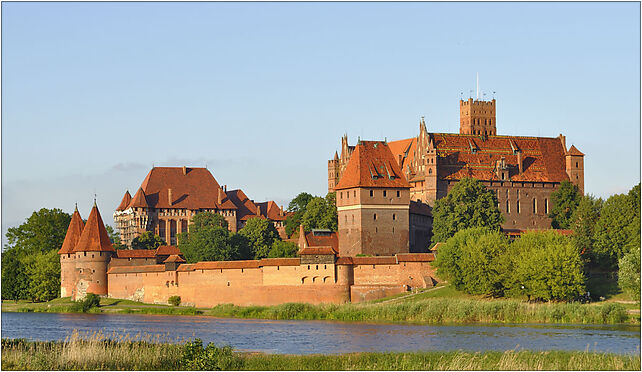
<point x="98" y="352"/>
<point x="437" y="310"/>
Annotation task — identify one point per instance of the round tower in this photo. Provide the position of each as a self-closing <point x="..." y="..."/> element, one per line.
<point x="67" y="256"/>
<point x="92" y="255"/>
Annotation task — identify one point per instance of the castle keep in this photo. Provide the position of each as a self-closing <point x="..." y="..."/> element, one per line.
<point x="523" y="171"/>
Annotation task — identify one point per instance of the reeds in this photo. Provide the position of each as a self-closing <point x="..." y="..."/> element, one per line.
<point x="96" y="351"/>
<point x="438" y="310"/>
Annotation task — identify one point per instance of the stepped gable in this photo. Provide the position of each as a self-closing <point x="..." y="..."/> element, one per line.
<point x="372" y="165"/>
<point x="191" y="188"/>
<point x="127" y="198"/>
<point x="139" y="200"/>
<point x="245" y="208"/>
<point x="74" y="231"/>
<point x="94" y="237"/>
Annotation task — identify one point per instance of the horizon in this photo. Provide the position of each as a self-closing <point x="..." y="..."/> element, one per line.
<point x="96" y="94"/>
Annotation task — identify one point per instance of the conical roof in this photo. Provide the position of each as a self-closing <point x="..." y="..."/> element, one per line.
<point x="139" y="200"/>
<point x="94" y="237"/>
<point x="74" y="231"/>
<point x="125" y="202"/>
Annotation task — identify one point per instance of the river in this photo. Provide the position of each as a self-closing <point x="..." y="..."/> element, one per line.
<point x="307" y="337"/>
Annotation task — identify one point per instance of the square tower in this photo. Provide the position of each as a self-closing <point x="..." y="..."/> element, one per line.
<point x="477" y="117"/>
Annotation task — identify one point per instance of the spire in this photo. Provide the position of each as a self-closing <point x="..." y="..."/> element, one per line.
<point x="94" y="237"/>
<point x="139" y="200"/>
<point x="127" y="198"/>
<point x="74" y="231"/>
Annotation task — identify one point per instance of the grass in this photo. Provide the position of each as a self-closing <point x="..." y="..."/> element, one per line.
<point x="98" y="352"/>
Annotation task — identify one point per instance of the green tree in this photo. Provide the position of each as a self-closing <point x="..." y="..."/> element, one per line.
<point x="207" y="243"/>
<point x="260" y="234"/>
<point x="629" y="273"/>
<point x="15" y="282"/>
<point x="473" y="260"/>
<point x="545" y="266"/>
<point x="114" y="237"/>
<point x="43" y="231"/>
<point x="617" y="230"/>
<point x="583" y="224"/>
<point x="298" y="206"/>
<point x="564" y="201"/>
<point x="283" y="249"/>
<point x="147" y="240"/>
<point x="321" y="213"/>
<point x="468" y="204"/>
<point x="205" y="219"/>
<point x="43" y="270"/>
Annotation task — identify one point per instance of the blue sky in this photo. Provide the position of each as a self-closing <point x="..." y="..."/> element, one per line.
<point x="94" y="94"/>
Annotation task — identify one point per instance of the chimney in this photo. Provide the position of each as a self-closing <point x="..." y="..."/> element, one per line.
<point x="184" y="170"/>
<point x="281" y="212"/>
<point x="258" y="210"/>
<point x="302" y="234"/>
<point x="220" y="197"/>
<point x="520" y="164"/>
<point x="225" y="188"/>
<point x="169" y="197"/>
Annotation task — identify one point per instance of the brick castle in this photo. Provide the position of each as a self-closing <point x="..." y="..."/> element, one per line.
<point x="384" y="195"/>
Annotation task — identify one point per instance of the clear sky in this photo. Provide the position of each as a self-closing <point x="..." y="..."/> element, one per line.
<point x="94" y="94"/>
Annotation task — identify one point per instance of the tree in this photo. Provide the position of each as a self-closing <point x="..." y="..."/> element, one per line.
<point x="260" y="234"/>
<point x="147" y="240"/>
<point x="321" y="213"/>
<point x="545" y="266"/>
<point x="43" y="270"/>
<point x="617" y="230"/>
<point x="114" y="237"/>
<point x="43" y="231"/>
<point x="204" y="219"/>
<point x="15" y="282"/>
<point x="629" y="274"/>
<point x="208" y="239"/>
<point x="283" y="249"/>
<point x="583" y="224"/>
<point x="468" y="204"/>
<point x="298" y="206"/>
<point x="473" y="260"/>
<point x="564" y="200"/>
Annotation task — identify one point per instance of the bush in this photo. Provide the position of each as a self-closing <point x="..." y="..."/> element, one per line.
<point x="209" y="358"/>
<point x="629" y="275"/>
<point x="174" y="300"/>
<point x="82" y="306"/>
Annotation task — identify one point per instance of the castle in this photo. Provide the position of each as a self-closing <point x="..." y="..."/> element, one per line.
<point x="169" y="197"/>
<point x="523" y="171"/>
<point x="384" y="194"/>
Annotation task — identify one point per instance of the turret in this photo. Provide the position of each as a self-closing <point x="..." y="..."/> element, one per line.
<point x="67" y="257"/>
<point x="575" y="167"/>
<point x="93" y="253"/>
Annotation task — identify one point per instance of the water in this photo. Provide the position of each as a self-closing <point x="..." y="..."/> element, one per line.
<point x="307" y="337"/>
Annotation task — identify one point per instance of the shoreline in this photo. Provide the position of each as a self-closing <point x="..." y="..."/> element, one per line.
<point x="436" y="311"/>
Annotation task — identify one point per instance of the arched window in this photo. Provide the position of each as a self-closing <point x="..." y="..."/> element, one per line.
<point x="430" y="171"/>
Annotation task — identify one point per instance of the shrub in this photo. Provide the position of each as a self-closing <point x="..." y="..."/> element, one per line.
<point x="82" y="306"/>
<point x="629" y="275"/>
<point x="209" y="358"/>
<point x="174" y="300"/>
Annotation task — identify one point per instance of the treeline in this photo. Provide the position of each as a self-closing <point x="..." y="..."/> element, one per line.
<point x="479" y="259"/>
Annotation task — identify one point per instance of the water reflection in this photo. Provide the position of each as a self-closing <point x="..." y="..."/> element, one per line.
<point x="305" y="337"/>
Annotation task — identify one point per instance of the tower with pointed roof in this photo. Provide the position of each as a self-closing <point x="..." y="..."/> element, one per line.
<point x="92" y="255"/>
<point x="68" y="275"/>
<point x="373" y="203"/>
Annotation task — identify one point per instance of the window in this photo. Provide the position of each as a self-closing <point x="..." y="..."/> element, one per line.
<point x="384" y="193"/>
<point x="430" y="171"/>
<point x="348" y="195"/>
<point x="371" y="193"/>
<point x="394" y="216"/>
<point x="355" y="193"/>
<point x="398" y="193"/>
<point x="507" y="207"/>
<point x="375" y="216"/>
<point x="518" y="206"/>
<point x="577" y="164"/>
<point x="534" y="205"/>
<point x="502" y="175"/>
<point x="546" y="206"/>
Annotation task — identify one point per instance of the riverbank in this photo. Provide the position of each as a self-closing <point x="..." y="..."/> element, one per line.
<point x="439" y="305"/>
<point x="100" y="353"/>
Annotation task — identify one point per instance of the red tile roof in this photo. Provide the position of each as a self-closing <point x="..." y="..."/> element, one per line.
<point x="134" y="253"/>
<point x="136" y="269"/>
<point x="186" y="267"/>
<point x="245" y="208"/>
<point x="574" y="151"/>
<point x="280" y="262"/>
<point x="323" y="240"/>
<point x="344" y="261"/>
<point x="191" y="188"/>
<point x="272" y="211"/>
<point x="406" y="148"/>
<point x="318" y="251"/>
<point x="174" y="258"/>
<point x="372" y="165"/>
<point x="127" y="198"/>
<point x="74" y="231"/>
<point x="376" y="260"/>
<point x="212" y="265"/>
<point x="166" y="250"/>
<point x="415" y="257"/>
<point x="139" y="200"/>
<point x="94" y="237"/>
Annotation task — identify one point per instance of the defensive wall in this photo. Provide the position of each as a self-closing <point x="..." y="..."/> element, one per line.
<point x="273" y="281"/>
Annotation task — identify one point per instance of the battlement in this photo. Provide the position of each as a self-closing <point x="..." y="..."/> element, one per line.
<point x="471" y="102"/>
<point x="477" y="117"/>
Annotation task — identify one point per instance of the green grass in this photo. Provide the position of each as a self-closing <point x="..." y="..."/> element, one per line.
<point x="98" y="352"/>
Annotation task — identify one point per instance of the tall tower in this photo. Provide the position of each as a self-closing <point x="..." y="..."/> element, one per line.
<point x="93" y="253"/>
<point x="477" y="117"/>
<point x="68" y="257"/>
<point x="575" y="167"/>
